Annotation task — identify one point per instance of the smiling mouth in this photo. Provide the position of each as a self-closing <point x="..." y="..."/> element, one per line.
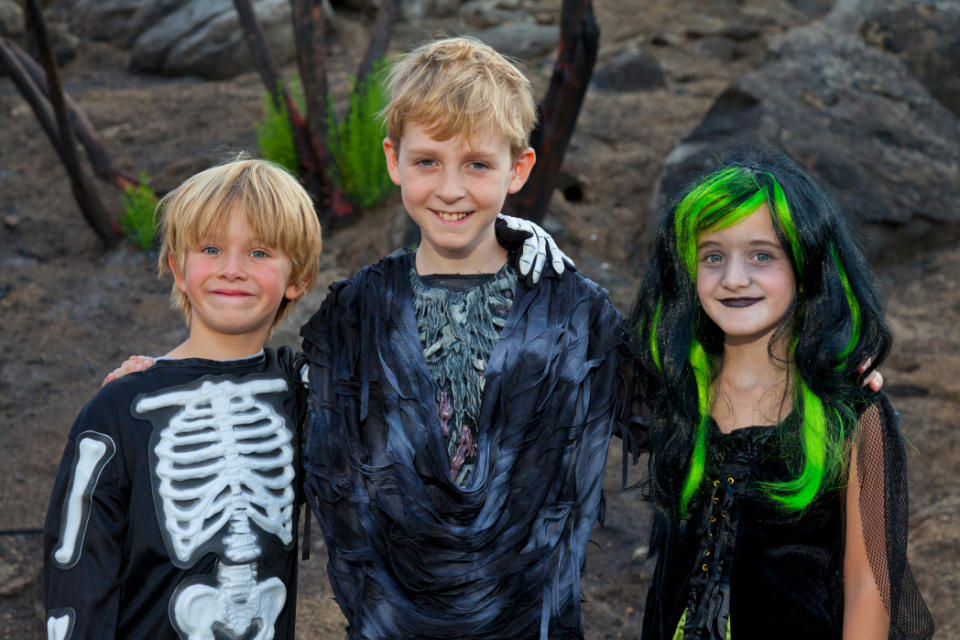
<point x="739" y="302"/>
<point x="451" y="216"/>
<point x="232" y="294"/>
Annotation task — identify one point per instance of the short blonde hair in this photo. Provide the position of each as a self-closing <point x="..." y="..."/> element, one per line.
<point x="277" y="208"/>
<point x="460" y="86"/>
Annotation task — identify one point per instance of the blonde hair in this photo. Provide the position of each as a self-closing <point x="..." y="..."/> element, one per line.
<point x="460" y="86"/>
<point x="278" y="210"/>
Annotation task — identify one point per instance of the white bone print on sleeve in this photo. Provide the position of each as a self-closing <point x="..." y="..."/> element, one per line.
<point x="94" y="451"/>
<point x="60" y="624"/>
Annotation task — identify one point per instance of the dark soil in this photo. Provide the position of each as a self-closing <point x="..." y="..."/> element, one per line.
<point x="72" y="311"/>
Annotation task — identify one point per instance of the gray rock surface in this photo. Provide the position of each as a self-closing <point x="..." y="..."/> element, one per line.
<point x="838" y="106"/>
<point x="925" y="34"/>
<point x="119" y="21"/>
<point x="11" y="19"/>
<point x="630" y="70"/>
<point x="524" y="40"/>
<point x="203" y="38"/>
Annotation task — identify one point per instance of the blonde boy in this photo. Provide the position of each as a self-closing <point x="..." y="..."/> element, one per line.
<point x="173" y="514"/>
<point x="459" y="416"/>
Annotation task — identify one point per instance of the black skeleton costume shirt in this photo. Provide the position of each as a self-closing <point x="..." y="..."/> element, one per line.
<point x="175" y="507"/>
<point x="418" y="547"/>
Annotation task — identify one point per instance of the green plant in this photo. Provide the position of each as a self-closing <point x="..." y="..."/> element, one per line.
<point x="357" y="167"/>
<point x="138" y="206"/>
<point x="275" y="133"/>
<point x="355" y="143"/>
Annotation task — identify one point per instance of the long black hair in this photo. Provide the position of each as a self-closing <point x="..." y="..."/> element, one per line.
<point x="834" y="325"/>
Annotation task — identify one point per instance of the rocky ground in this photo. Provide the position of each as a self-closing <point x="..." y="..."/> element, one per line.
<point x="71" y="311"/>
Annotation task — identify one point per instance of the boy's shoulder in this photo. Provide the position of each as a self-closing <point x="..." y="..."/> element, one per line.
<point x="121" y="393"/>
<point x="578" y="286"/>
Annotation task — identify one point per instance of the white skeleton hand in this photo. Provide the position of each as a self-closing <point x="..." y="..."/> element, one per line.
<point x="537" y="248"/>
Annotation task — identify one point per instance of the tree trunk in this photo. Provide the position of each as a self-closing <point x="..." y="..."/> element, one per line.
<point x="102" y="223"/>
<point x="576" y="56"/>
<point x="379" y="37"/>
<point x="96" y="151"/>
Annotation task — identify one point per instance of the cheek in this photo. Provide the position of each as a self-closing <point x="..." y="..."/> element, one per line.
<point x="705" y="284"/>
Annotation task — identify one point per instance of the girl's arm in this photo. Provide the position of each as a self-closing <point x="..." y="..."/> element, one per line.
<point x="865" y="616"/>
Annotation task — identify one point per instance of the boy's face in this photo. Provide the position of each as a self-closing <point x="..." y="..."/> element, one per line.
<point x="454" y="190"/>
<point x="234" y="282"/>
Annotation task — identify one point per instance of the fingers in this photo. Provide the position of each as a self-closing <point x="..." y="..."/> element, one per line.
<point x="526" y="257"/>
<point x="556" y="256"/>
<point x="875" y="380"/>
<point x="130" y="365"/>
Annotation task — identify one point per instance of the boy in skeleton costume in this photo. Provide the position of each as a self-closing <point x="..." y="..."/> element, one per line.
<point x="459" y="418"/>
<point x="174" y="510"/>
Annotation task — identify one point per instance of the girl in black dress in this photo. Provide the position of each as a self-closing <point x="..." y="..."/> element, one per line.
<point x="779" y="481"/>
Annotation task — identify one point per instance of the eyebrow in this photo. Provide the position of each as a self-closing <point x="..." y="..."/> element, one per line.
<point x="709" y="244"/>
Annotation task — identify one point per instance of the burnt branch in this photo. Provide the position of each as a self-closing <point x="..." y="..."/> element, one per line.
<point x="102" y="223"/>
<point x="387" y="16"/>
<point x="23" y="79"/>
<point x="576" y="57"/>
<point x="308" y="27"/>
<point x="97" y="153"/>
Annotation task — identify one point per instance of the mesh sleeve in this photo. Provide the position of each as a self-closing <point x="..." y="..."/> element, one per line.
<point x="884" y="511"/>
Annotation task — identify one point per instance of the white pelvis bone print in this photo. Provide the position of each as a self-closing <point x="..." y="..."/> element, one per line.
<point x="223" y="461"/>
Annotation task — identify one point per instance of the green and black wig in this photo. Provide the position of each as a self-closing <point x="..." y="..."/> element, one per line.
<point x="835" y="324"/>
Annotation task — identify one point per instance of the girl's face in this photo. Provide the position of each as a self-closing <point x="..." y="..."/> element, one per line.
<point x="745" y="281"/>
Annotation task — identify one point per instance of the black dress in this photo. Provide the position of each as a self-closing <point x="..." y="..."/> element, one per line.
<point x="413" y="553"/>
<point x="739" y="567"/>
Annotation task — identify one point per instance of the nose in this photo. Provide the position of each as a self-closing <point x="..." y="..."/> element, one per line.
<point x="232" y="267"/>
<point x="736" y="275"/>
<point x="450" y="188"/>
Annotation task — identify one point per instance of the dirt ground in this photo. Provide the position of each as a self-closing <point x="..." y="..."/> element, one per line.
<point x="71" y="311"/>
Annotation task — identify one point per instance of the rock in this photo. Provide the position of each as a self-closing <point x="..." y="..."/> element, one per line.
<point x="481" y="14"/>
<point x="412" y="10"/>
<point x="630" y="70"/>
<point x="838" y="106"/>
<point x="203" y="38"/>
<point x="525" y="40"/>
<point x="925" y="34"/>
<point x="119" y="21"/>
<point x="720" y="48"/>
<point x="11" y="20"/>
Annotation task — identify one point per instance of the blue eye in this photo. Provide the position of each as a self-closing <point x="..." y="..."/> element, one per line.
<point x="712" y="258"/>
<point x="763" y="257"/>
<point x="426" y="162"/>
<point x="259" y="253"/>
<point x="210" y="251"/>
<point x="480" y="166"/>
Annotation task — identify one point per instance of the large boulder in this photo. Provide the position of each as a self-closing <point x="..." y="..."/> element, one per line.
<point x="203" y="38"/>
<point x="119" y="21"/>
<point x="855" y="116"/>
<point x="925" y="34"/>
<point x="525" y="40"/>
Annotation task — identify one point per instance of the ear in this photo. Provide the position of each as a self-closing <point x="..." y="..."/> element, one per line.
<point x="391" y="151"/>
<point x="294" y="290"/>
<point x="177" y="276"/>
<point x="522" y="168"/>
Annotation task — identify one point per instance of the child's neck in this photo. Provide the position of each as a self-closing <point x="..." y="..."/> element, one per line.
<point x="484" y="259"/>
<point x="752" y="386"/>
<point x="224" y="347"/>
